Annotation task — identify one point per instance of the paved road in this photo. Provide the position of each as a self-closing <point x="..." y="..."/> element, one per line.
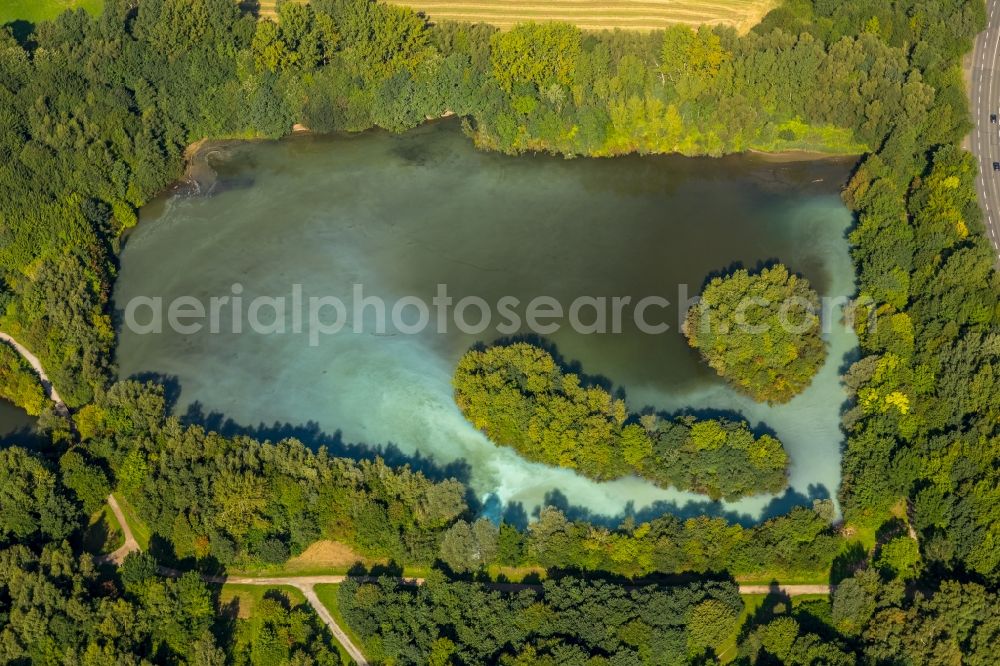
<point x="985" y="139"/>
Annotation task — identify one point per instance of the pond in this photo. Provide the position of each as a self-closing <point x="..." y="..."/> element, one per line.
<point x="402" y="215"/>
<point x="16" y="426"/>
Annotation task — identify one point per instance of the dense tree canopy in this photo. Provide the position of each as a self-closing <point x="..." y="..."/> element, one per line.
<point x="760" y="331"/>
<point x="240" y="501"/>
<point x="18" y="382"/>
<point x="519" y="396"/>
<point x="33" y="501"/>
<point x="568" y="620"/>
<point x="95" y="114"/>
<point x="55" y="611"/>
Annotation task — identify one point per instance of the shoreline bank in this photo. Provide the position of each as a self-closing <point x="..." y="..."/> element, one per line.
<point x="197" y="153"/>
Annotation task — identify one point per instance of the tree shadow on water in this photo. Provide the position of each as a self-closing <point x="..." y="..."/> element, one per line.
<point x="314" y="437"/>
<point x="27" y="437"/>
<point x="513" y="513"/>
<point x="792" y="498"/>
<point x="171" y="385"/>
<point x="712" y="414"/>
<point x="567" y="366"/>
<point x="734" y="266"/>
<point x="778" y="506"/>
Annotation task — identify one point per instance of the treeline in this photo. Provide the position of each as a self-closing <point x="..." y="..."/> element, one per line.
<point x="925" y="420"/>
<point x="19" y="383"/>
<point x="564" y="621"/>
<point x="519" y="396"/>
<point x="57" y="607"/>
<point x="57" y="610"/>
<point x="799" y="544"/>
<point x="871" y="617"/>
<point x="238" y="502"/>
<point x="98" y="112"/>
<point x="760" y="331"/>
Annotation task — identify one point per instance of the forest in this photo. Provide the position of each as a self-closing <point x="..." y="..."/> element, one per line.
<point x="521" y="397"/>
<point x="568" y="621"/>
<point x="868" y="621"/>
<point x="218" y="502"/>
<point x="95" y="114"/>
<point x="760" y="331"/>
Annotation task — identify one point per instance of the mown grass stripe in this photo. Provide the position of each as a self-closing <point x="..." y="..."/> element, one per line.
<point x="599" y="14"/>
<point x="585" y="14"/>
<point x="600" y="4"/>
<point x="604" y="24"/>
<point x="465" y="7"/>
<point x="572" y="18"/>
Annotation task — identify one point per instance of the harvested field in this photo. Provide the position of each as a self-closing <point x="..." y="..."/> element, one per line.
<point x="599" y="14"/>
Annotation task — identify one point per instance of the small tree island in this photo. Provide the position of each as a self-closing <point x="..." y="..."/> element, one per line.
<point x="519" y="396"/>
<point x="759" y="331"/>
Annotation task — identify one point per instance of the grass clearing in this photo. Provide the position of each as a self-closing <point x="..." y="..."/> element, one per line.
<point x="242" y="600"/>
<point x="642" y="15"/>
<point x="320" y="558"/>
<point x="727" y="650"/>
<point x="103" y="534"/>
<point x="326" y="558"/>
<point x="798" y="136"/>
<point x="516" y="574"/>
<point x="325" y="554"/>
<point x="140" y="530"/>
<point x="41" y="10"/>
<point x="327" y="595"/>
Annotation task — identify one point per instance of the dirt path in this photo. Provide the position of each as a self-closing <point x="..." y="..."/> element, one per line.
<point x="789" y="590"/>
<point x="33" y="361"/>
<point x="335" y="629"/>
<point x="130" y="545"/>
<point x="304" y="583"/>
<point x="307" y="584"/>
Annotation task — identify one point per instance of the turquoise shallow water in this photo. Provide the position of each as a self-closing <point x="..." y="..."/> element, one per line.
<point x="401" y="215"/>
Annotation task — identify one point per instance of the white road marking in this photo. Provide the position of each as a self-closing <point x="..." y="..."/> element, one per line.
<point x="988" y="191"/>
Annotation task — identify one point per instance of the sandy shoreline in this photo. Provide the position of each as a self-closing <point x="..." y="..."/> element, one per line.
<point x="790" y="156"/>
<point x="200" y="176"/>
